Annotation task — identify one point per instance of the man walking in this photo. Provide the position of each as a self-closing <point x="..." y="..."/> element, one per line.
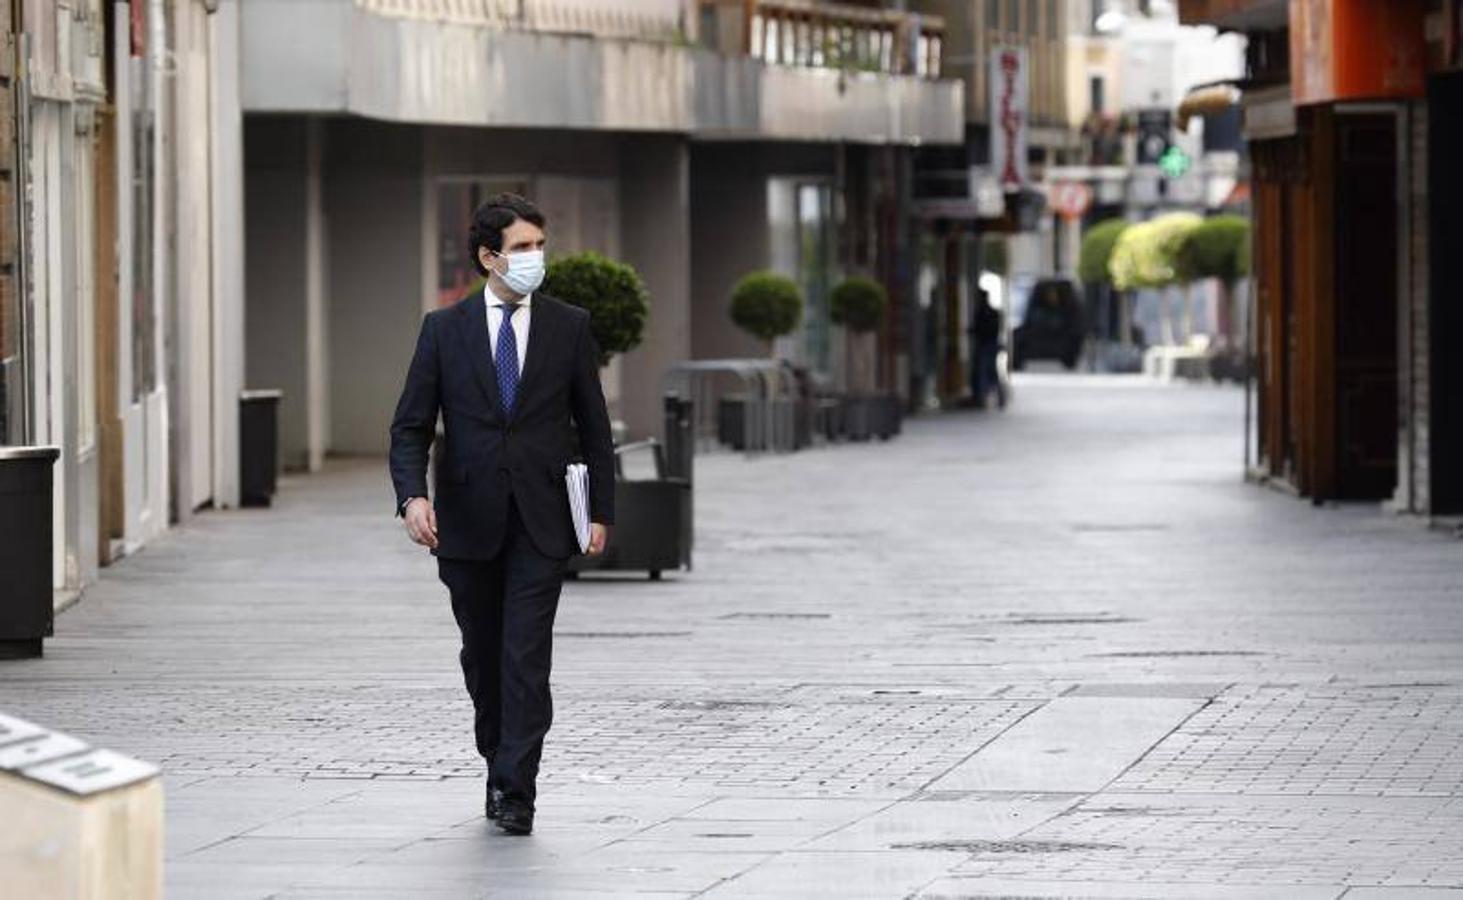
<point x="507" y="369"/>
<point x="986" y="332"/>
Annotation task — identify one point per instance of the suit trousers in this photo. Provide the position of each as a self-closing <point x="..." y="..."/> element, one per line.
<point x="505" y="610"/>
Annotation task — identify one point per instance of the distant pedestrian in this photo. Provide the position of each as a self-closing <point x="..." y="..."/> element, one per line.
<point x="986" y="334"/>
<point x="507" y="369"/>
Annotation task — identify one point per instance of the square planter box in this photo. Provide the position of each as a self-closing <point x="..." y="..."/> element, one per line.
<point x="731" y="421"/>
<point x="868" y="416"/>
<point x="651" y="527"/>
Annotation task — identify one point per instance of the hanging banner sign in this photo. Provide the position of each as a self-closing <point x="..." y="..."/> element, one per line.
<point x="1009" y="100"/>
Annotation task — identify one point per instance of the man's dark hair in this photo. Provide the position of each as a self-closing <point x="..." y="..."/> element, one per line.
<point x="496" y="213"/>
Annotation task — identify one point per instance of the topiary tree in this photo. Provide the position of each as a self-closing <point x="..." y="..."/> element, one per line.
<point x="858" y="304"/>
<point x="767" y="305"/>
<point x="1242" y="264"/>
<point x="1096" y="253"/>
<point x="1218" y="248"/>
<point x="993" y="255"/>
<point x="1146" y="256"/>
<point x="611" y="292"/>
<point x="1092" y="269"/>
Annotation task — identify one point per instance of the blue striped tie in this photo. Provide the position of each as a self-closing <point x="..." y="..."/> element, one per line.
<point x="507" y="359"/>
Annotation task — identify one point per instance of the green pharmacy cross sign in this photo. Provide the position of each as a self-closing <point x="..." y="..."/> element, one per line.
<point x="1174" y="162"/>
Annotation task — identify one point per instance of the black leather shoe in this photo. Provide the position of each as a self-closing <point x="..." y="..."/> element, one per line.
<point x="493" y="806"/>
<point x="515" y="818"/>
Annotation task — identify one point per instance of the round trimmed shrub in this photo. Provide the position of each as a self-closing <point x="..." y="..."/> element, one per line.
<point x="767" y="305"/>
<point x="858" y="304"/>
<point x="1097" y="248"/>
<point x="611" y="292"/>
<point x="1217" y="249"/>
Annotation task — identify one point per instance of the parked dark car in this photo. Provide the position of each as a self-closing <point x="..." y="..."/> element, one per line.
<point x="1053" y="327"/>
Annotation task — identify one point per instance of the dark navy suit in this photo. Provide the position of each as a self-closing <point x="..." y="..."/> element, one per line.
<point x="503" y="526"/>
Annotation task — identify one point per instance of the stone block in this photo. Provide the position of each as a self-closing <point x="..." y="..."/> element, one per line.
<point x="82" y="823"/>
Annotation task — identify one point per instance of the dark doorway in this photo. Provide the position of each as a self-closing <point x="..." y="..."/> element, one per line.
<point x="1366" y="306"/>
<point x="1445" y="312"/>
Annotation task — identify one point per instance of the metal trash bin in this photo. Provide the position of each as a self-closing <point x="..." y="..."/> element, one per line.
<point x="27" y="611"/>
<point x="258" y="446"/>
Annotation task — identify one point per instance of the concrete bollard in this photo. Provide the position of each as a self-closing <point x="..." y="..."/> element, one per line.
<point x="80" y="823"/>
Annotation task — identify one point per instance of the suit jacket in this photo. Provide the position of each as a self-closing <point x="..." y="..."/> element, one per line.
<point x="484" y="452"/>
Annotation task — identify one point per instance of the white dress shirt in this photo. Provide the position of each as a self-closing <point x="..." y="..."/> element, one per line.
<point x="521" y="318"/>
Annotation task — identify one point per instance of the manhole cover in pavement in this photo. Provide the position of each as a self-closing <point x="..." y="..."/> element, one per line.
<point x="1117" y="527"/>
<point x="610" y="635"/>
<point x="1094" y="619"/>
<point x="697" y="705"/>
<point x="787" y="543"/>
<point x="1173" y="654"/>
<point x="1005" y="846"/>
<point x="776" y="615"/>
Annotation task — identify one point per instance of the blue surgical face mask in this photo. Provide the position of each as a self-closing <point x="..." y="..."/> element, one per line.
<point x="525" y="271"/>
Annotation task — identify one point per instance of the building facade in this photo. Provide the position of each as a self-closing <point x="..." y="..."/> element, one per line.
<point x="1351" y="108"/>
<point x="121" y="341"/>
<point x="697" y="141"/>
<point x="203" y="196"/>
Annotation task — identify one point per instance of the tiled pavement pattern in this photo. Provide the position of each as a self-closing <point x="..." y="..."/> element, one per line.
<point x="1365" y="740"/>
<point x="851" y="696"/>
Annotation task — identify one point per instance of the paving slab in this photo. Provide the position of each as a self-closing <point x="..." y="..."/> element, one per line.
<point x="984" y="888"/>
<point x="1074" y="744"/>
<point x="880" y="874"/>
<point x="1402" y="893"/>
<point x="941" y="824"/>
<point x="876" y="647"/>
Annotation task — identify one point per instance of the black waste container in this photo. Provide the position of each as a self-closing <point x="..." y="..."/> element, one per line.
<point x="258" y="446"/>
<point x="26" y="606"/>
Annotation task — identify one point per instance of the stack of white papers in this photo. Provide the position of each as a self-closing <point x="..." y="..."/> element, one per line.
<point x="576" y="479"/>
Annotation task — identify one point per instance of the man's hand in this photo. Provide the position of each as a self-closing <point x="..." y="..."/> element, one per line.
<point x="421" y="521"/>
<point x="599" y="535"/>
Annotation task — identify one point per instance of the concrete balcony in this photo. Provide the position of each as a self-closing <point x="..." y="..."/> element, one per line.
<point x="451" y="62"/>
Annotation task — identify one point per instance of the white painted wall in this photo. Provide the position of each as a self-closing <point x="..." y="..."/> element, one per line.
<point x="193" y="213"/>
<point x="226" y="165"/>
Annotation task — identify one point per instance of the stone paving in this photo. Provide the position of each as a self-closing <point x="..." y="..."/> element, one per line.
<point x="1060" y="651"/>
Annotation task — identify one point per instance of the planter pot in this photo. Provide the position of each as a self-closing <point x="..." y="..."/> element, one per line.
<point x="731" y="422"/>
<point x="828" y="418"/>
<point x="792" y="427"/>
<point x="26" y="606"/>
<point x="858" y="417"/>
<point x="868" y="416"/>
<point x="650" y="532"/>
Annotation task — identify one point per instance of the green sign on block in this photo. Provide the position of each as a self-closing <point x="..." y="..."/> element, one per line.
<point x="1174" y="162"/>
